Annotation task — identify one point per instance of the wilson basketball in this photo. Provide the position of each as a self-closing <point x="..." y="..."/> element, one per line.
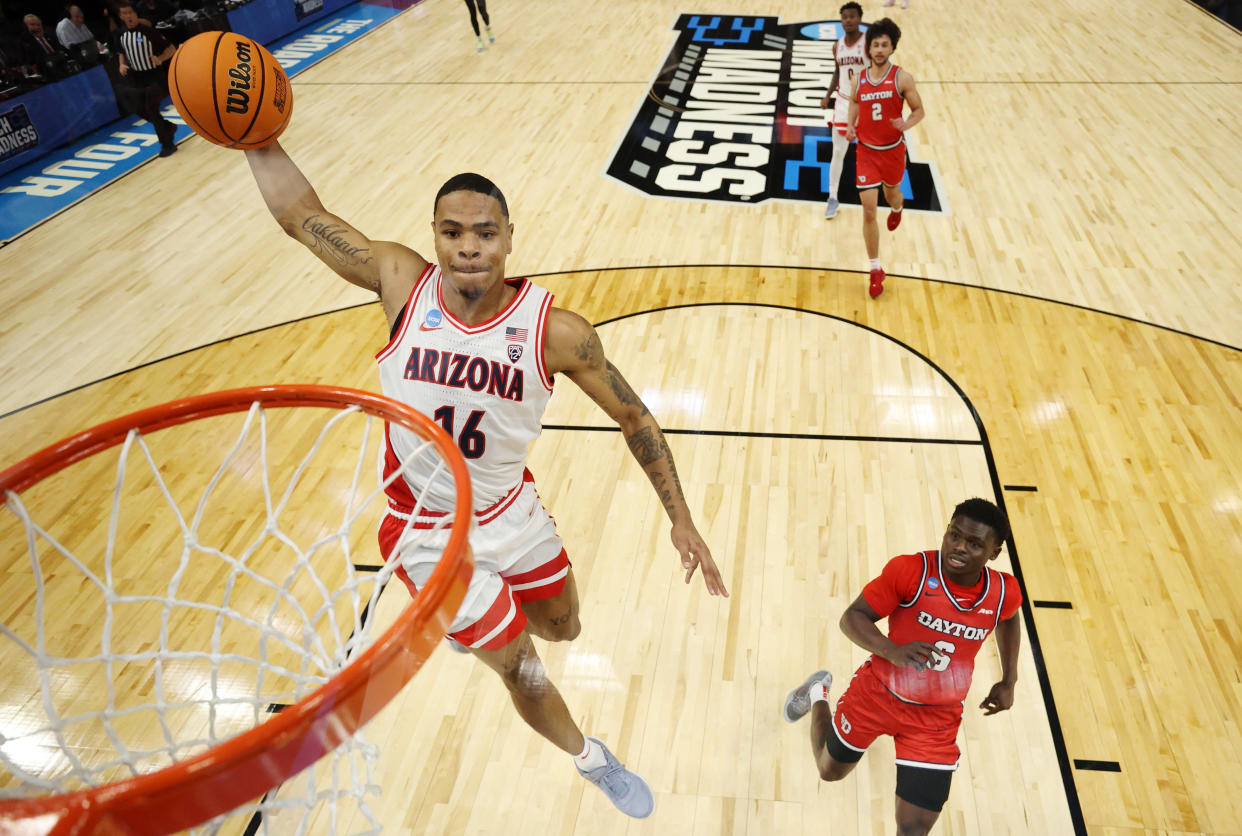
<point x="230" y="90"/>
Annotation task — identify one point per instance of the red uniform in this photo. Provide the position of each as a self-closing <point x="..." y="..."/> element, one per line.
<point x="923" y="709"/>
<point x="881" y="154"/>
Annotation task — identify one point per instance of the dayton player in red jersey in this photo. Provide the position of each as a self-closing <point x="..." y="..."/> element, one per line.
<point x="875" y="120"/>
<point x="941" y="606"/>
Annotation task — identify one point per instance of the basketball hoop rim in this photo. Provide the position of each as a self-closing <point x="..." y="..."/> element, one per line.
<point x="249" y="764"/>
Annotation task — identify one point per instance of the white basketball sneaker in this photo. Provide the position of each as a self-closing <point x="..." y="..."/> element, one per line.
<point x="627" y="791"/>
<point x="798" y="703"/>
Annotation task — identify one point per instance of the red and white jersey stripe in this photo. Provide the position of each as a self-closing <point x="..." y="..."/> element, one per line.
<point x="486" y="384"/>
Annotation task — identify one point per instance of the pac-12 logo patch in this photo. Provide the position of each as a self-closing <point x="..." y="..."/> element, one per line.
<point x="515" y="353"/>
<point x="735" y="115"/>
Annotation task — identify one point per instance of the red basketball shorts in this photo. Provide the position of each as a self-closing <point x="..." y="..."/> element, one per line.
<point x="874" y="168"/>
<point x="924" y="735"/>
<point x="518" y="557"/>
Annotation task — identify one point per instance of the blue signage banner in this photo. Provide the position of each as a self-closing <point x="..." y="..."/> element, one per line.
<point x="266" y="20"/>
<point x="54" y="114"/>
<point x="52" y="183"/>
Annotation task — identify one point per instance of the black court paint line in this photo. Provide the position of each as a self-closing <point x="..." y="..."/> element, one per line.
<point x="1072" y="801"/>
<point x="1016" y="293"/>
<point x="182" y="353"/>
<point x="1030" y="488"/>
<point x="1053" y="605"/>
<point x="276" y="707"/>
<point x="368" y="567"/>
<point x="222" y="340"/>
<point x="795" y="436"/>
<point x="1097" y="766"/>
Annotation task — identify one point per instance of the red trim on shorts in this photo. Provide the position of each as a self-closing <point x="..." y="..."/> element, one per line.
<point x="542" y="581"/>
<point x="495" y="615"/>
<point x="483" y="517"/>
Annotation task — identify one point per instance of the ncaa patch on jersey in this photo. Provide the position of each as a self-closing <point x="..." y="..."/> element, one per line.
<point x="432" y="319"/>
<point x="932" y="583"/>
<point x="734" y="116"/>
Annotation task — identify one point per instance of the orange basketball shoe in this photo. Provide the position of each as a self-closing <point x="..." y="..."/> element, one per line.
<point x="877" y="282"/>
<point x="894" y="218"/>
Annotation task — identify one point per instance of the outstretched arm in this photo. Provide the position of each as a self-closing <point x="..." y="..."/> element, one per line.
<point x="383" y="267"/>
<point x="574" y="348"/>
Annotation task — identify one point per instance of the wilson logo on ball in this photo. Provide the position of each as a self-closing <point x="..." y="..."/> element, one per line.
<point x="239" y="87"/>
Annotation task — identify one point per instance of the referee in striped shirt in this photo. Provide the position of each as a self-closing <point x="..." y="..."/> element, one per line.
<point x="142" y="53"/>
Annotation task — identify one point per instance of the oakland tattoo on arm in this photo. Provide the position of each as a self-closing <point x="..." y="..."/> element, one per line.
<point x="330" y="239"/>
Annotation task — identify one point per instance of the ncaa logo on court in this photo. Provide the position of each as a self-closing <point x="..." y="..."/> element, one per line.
<point x="734" y="116"/>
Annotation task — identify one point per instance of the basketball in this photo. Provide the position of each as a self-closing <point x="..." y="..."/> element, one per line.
<point x="230" y="90"/>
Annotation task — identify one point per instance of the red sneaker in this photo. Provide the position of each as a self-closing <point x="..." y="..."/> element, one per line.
<point x="894" y="218"/>
<point x="877" y="282"/>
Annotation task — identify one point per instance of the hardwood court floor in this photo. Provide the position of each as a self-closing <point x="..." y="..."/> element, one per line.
<point x="1089" y="157"/>
<point x="688" y="688"/>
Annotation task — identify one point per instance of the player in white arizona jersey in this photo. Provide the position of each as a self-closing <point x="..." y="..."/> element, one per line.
<point x="478" y="352"/>
<point x="849" y="54"/>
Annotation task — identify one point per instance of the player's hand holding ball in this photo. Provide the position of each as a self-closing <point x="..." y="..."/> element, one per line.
<point x="230" y="90"/>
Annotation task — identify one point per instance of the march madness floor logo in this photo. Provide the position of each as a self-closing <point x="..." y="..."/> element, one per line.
<point x="735" y="116"/>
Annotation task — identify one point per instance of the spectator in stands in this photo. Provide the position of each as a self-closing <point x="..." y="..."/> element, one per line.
<point x="142" y="58"/>
<point x="42" y="51"/>
<point x="76" y="37"/>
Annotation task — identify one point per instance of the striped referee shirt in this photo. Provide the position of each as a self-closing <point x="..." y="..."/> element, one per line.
<point x="140" y="45"/>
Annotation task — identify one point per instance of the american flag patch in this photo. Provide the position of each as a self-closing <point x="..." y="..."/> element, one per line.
<point x="515" y="335"/>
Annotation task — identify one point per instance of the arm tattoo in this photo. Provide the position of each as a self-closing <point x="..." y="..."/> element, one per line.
<point x="649" y="447"/>
<point x="330" y="239"/>
<point x="622" y="389"/>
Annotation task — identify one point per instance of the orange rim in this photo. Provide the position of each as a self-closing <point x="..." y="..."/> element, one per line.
<point x="248" y="765"/>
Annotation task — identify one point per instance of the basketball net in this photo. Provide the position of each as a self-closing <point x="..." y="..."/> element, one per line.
<point x="200" y="602"/>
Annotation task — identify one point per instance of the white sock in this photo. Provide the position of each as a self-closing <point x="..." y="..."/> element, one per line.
<point x="591" y="756"/>
<point x="839" y="147"/>
<point x="819" y="693"/>
<point x="875" y="264"/>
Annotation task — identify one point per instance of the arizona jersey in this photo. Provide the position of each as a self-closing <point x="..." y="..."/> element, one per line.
<point x="922" y="605"/>
<point x="485" y="384"/>
<point x="851" y="61"/>
<point x="879" y="103"/>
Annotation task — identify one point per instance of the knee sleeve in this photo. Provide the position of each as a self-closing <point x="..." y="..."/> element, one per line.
<point x="922" y="787"/>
